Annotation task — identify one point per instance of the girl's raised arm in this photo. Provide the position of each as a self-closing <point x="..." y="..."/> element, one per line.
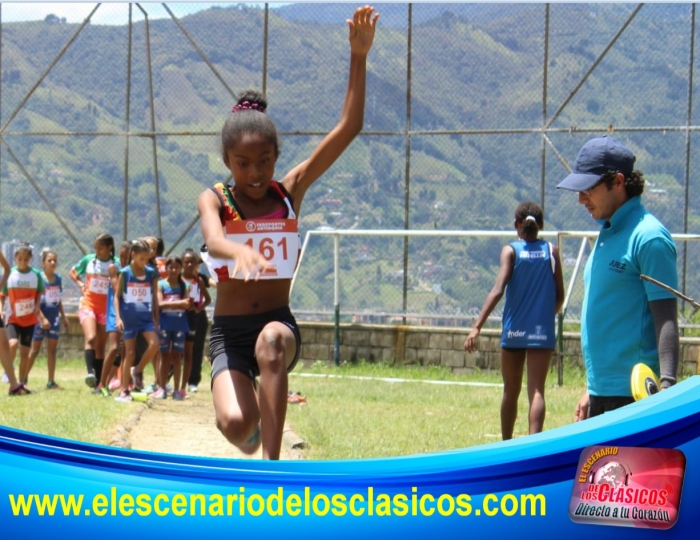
<point x="298" y="180"/>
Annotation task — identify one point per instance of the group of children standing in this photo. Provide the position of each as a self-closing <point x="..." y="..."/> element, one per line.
<point x="138" y="306"/>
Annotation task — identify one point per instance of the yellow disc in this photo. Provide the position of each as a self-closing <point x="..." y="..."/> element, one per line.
<point x="644" y="382"/>
<point x="139" y="396"/>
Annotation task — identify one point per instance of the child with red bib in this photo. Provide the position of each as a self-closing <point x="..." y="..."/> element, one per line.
<point x="16" y="388"/>
<point x="24" y="288"/>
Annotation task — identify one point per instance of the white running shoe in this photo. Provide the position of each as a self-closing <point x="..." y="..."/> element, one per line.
<point x="124" y="397"/>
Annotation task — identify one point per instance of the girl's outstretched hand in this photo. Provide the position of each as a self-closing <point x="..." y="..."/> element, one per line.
<point x="470" y="342"/>
<point x="249" y="263"/>
<point x="362" y="28"/>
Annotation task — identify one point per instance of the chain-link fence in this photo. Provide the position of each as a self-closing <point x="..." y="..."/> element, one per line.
<point x="471" y="108"/>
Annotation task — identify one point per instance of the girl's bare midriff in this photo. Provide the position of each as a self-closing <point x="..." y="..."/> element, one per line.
<point x="238" y="297"/>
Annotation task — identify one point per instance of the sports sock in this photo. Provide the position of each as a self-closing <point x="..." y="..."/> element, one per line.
<point x="90" y="360"/>
<point x="99" y="362"/>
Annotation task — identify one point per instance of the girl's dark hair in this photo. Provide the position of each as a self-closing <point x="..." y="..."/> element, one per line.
<point x="139" y="246"/>
<point x="46" y="252"/>
<point x="106" y="240"/>
<point x="126" y="244"/>
<point x="24" y="247"/>
<point x="248" y="116"/>
<point x="160" y="249"/>
<point x="530" y="209"/>
<point x="173" y="259"/>
<point x="634" y="183"/>
<point x="193" y="253"/>
<point x="148" y="240"/>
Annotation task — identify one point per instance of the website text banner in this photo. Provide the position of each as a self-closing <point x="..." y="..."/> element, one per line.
<point x="521" y="487"/>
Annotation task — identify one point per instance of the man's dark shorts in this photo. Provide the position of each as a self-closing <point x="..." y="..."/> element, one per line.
<point x="602" y="404"/>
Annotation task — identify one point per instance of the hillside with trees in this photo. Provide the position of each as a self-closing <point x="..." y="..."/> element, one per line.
<point x="476" y="67"/>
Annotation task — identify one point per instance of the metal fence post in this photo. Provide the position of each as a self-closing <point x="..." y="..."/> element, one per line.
<point x="336" y="298"/>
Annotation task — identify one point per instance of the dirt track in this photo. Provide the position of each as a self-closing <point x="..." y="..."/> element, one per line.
<point x="184" y="427"/>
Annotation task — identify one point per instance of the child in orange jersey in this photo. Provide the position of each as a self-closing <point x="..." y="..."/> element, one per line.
<point x="24" y="288"/>
<point x="16" y="388"/>
<point x="91" y="274"/>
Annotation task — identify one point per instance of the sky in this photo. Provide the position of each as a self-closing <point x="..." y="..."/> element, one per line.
<point x="108" y="12"/>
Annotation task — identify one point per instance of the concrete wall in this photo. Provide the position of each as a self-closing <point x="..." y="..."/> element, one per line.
<point x="408" y="345"/>
<point x="423" y="345"/>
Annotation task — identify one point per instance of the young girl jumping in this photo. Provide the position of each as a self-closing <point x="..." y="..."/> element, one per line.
<point x="50" y="317"/>
<point x="531" y="277"/>
<point x="252" y="247"/>
<point x="174" y="300"/>
<point x="136" y="309"/>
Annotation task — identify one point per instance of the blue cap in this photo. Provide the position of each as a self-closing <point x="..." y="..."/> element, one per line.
<point x="596" y="158"/>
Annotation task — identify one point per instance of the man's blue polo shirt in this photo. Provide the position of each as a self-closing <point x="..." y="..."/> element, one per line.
<point x="617" y="328"/>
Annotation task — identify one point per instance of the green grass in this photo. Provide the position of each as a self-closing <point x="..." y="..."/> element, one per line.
<point x="351" y="412"/>
<point x="347" y="418"/>
<point x="72" y="413"/>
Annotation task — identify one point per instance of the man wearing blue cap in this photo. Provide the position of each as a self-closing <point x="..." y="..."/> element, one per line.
<point x="624" y="320"/>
